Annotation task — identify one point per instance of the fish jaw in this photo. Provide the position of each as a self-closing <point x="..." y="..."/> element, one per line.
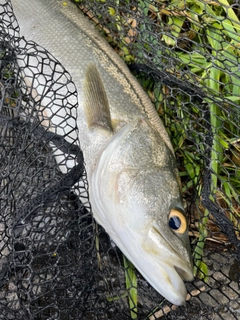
<point x="169" y="268"/>
<point x="126" y="202"/>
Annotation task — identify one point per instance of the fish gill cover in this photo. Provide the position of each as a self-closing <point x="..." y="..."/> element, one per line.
<point x="55" y="262"/>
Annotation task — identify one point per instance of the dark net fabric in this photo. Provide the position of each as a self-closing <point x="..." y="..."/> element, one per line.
<point x="54" y="262"/>
<point x="47" y="235"/>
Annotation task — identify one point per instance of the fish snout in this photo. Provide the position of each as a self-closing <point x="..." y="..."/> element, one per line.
<point x="170" y="266"/>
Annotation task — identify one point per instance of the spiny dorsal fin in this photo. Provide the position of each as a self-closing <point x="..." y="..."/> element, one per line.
<point x="96" y="105"/>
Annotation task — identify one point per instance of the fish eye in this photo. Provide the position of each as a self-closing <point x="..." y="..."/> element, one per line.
<point x="177" y="221"/>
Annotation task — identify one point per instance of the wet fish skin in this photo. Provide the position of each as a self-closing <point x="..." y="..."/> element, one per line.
<point x="129" y="158"/>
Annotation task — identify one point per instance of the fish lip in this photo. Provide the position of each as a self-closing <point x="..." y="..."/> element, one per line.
<point x="176" y="275"/>
<point x="178" y="271"/>
<point x="174" y="289"/>
<point x="186" y="275"/>
<point x="186" y="269"/>
<point x="176" y="268"/>
<point x="183" y="267"/>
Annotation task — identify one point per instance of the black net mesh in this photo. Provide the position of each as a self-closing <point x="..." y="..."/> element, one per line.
<point x="46" y="231"/>
<point x="55" y="263"/>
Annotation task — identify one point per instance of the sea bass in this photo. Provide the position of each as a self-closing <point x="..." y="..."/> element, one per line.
<point x="133" y="180"/>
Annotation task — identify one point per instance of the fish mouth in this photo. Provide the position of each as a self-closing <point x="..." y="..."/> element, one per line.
<point x="186" y="275"/>
<point x="170" y="269"/>
<point x="178" y="270"/>
<point x="173" y="277"/>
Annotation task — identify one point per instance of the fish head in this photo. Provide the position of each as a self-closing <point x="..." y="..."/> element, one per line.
<point x="153" y="225"/>
<point x="135" y="196"/>
<point x="163" y="233"/>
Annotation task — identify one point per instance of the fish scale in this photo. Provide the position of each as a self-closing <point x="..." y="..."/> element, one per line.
<point x="133" y="203"/>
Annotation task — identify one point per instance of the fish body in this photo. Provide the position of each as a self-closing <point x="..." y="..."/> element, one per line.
<point x="133" y="182"/>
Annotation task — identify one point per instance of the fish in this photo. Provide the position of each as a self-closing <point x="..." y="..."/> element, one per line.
<point x="134" y="187"/>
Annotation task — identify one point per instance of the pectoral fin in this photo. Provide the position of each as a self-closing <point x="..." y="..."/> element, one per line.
<point x="96" y="105"/>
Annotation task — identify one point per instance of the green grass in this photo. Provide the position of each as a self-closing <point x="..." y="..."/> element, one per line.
<point x="131" y="286"/>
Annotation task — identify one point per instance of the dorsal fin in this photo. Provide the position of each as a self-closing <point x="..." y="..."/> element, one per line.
<point x="96" y="105"/>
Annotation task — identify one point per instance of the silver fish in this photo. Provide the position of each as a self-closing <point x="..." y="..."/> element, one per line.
<point x="131" y="167"/>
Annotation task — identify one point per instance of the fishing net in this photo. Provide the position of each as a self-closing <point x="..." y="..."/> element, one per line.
<point x="55" y="263"/>
<point x="46" y="230"/>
